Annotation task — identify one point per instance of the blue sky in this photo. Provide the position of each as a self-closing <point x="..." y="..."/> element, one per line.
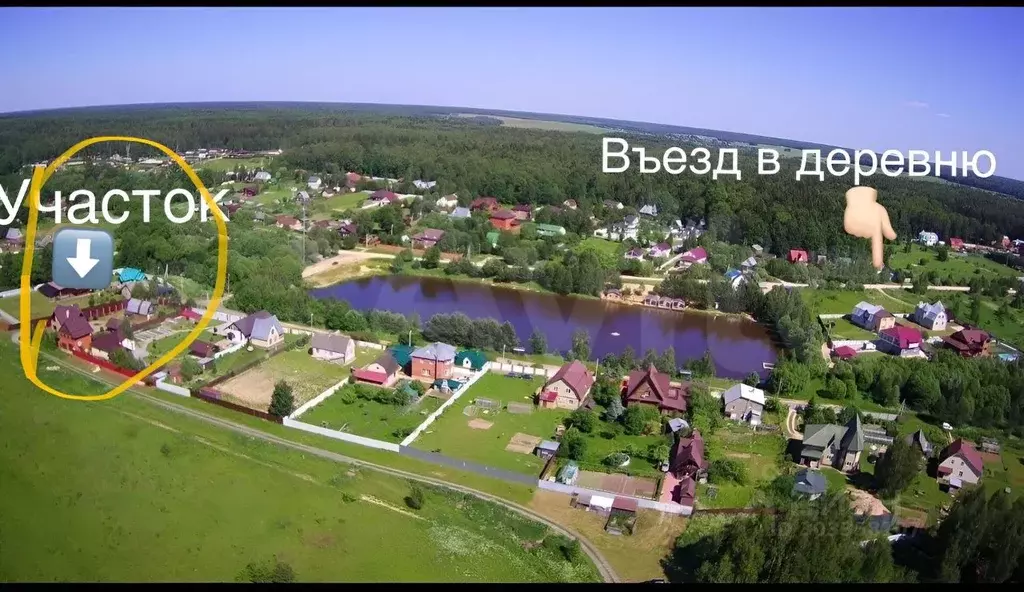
<point x="878" y="78"/>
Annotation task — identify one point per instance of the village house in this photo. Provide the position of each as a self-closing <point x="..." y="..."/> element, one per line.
<point x="930" y="316"/>
<point x="433" y="361"/>
<point x="744" y="403"/>
<point x="749" y="263"/>
<point x="832" y="445"/>
<point x="688" y="458"/>
<point x="970" y="343"/>
<point x="141" y="308"/>
<point x="872" y="317"/>
<point x="73" y="330"/>
<point x="427" y="238"/>
<point x="314" y="183"/>
<point x="650" y="387"/>
<point x="460" y="213"/>
<point x="203" y="350"/>
<point x="957" y="244"/>
<point x="288" y="222"/>
<point x="918" y="440"/>
<point x="960" y="463"/>
<point x="844" y="352"/>
<point x="798" y="256"/>
<point x="546" y="449"/>
<point x="567" y="388"/>
<point x="504" y="220"/>
<point x="260" y="329"/>
<point x="810" y="484"/>
<point x="649" y="210"/>
<point x="636" y="254"/>
<point x="104" y="344"/>
<point x="523" y="212"/>
<point x="447" y="201"/>
<point x="570" y="203"/>
<point x="262" y="177"/>
<point x="695" y="256"/>
<point x="381" y="372"/>
<point x="383" y="197"/>
<point x="352" y="180"/>
<point x="302" y="196"/>
<point x="613" y="205"/>
<point x="424" y="185"/>
<point x="55" y="292"/>
<point x="128" y="275"/>
<point x="487" y="204"/>
<point x="735" y="277"/>
<point x="900" y="340"/>
<point x="550" y="230"/>
<point x="612" y="294"/>
<point x="927" y="238"/>
<point x="333" y="347"/>
<point x="471" y="359"/>
<point x="660" y="250"/>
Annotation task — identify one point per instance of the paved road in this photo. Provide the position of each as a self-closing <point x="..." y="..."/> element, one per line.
<point x="606" y="570"/>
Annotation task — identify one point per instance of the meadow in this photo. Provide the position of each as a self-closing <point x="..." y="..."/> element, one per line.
<point x="371" y="419"/>
<point x="959" y="268"/>
<point x="122" y="490"/>
<point x="759" y="452"/>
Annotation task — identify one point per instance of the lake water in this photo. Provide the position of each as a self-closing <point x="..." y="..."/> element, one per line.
<point x="738" y="346"/>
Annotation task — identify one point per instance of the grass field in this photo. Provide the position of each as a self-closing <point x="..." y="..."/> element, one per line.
<point x="759" y="452"/>
<point x="370" y="418"/>
<point x="601" y="246"/>
<point x="843" y="301"/>
<point x="844" y="329"/>
<point x="229" y="164"/>
<point x="41" y="306"/>
<point x="958" y="268"/>
<point x="340" y="202"/>
<point x="450" y="434"/>
<point x="557" y="126"/>
<point x="307" y="376"/>
<point x="126" y="491"/>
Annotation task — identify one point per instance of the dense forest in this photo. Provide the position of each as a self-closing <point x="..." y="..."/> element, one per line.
<point x="520" y="165"/>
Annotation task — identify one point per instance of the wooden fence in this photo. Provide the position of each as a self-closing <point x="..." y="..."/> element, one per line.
<point x="212" y="396"/>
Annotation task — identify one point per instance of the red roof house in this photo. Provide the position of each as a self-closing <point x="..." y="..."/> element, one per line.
<point x="960" y="463"/>
<point x="956" y="244"/>
<point x="569" y="386"/>
<point x="695" y="255"/>
<point x="901" y="338"/>
<point x="428" y="238"/>
<point x="650" y="387"/>
<point x="688" y="456"/>
<point x="504" y="220"/>
<point x="484" y="203"/>
<point x="969" y="343"/>
<point x="798" y="256"/>
<point x="844" y="352"/>
<point x="384" y="197"/>
<point x="523" y="211"/>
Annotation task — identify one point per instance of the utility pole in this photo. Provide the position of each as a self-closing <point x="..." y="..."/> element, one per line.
<point x="410" y="337"/>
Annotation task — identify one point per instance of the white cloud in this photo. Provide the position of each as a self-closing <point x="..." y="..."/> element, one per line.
<point x="916" y="104"/>
<point x="943" y="114"/>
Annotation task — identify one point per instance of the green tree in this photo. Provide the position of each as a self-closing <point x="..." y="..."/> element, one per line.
<point x="897" y="468"/>
<point x="538" y="342"/>
<point x="416" y="498"/>
<point x="614" y="409"/>
<point x="581" y="344"/>
<point x="282" y="403"/>
<point x="752" y="379"/>
<point x="190" y="368"/>
<point x="640" y="419"/>
<point x="573" y="444"/>
<point x="432" y="257"/>
<point x="583" y="420"/>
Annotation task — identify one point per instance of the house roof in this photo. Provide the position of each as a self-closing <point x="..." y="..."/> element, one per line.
<point x="635" y="252"/>
<point x="286" y="220"/>
<point x="484" y="202"/>
<point x="919" y="439"/>
<point x="503" y="215"/>
<point x="258" y="325"/>
<point x="866" y="307"/>
<point x="576" y="376"/>
<point x="810" y="482"/>
<point x="689" y="452"/>
<point x="438" y="351"/>
<point x="72" y="321"/>
<point x="461" y="212"/>
<point x="902" y="335"/>
<point x="402" y="354"/>
<point x="601" y="501"/>
<point x="106" y="341"/>
<point x="429" y="234"/>
<point x="139" y="307"/>
<point x="687" y="490"/>
<point x="968" y="339"/>
<point x="845" y="352"/>
<point x="849" y="437"/>
<point x="131" y="274"/>
<point x="382" y="194"/>
<point x="743" y="391"/>
<point x="663" y="246"/>
<point x="548" y="396"/>
<point x="388" y="362"/>
<point x="626" y="504"/>
<point x="522" y="208"/>
<point x="332" y="342"/>
<point x="548" y="445"/>
<point x="853" y="439"/>
<point x="477" y="359"/>
<point x="666" y="396"/>
<point x="677" y="423"/>
<point x="967" y="452"/>
<point x="695" y="255"/>
<point x="550" y="228"/>
<point x="931" y="309"/>
<point x="202" y="349"/>
<point x="798" y="255"/>
<point x="368" y="376"/>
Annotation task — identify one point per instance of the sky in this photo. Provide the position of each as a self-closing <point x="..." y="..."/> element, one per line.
<point x="932" y="79"/>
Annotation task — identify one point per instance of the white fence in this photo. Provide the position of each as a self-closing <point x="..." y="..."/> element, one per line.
<point x="12" y="293"/>
<point x="229" y="350"/>
<point x="451" y="401"/>
<point x="173" y="388"/>
<point x="318" y="399"/>
<point x="522" y="368"/>
<point x="857" y="344"/>
<point x="379" y="444"/>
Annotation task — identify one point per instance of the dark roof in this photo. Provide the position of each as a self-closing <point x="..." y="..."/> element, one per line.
<point x="967" y="452"/>
<point x="853" y="439"/>
<point x="626" y="504"/>
<point x="667" y="397"/>
<point x="430" y="234"/>
<point x="481" y="202"/>
<point x="689" y="453"/>
<point x="522" y="208"/>
<point x="388" y="362"/>
<point x="72" y="321"/>
<point x="332" y="342"/>
<point x="810" y="482"/>
<point x="381" y="194"/>
<point x="503" y="215"/>
<point x="246" y="325"/>
<point x="107" y="341"/>
<point x="576" y="376"/>
<point x="202" y="349"/>
<point x="918" y="439"/>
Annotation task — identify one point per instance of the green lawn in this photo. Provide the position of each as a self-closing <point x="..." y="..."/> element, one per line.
<point x="340" y="202"/>
<point x="844" y="329"/>
<point x="450" y="433"/>
<point x="41" y="306"/>
<point x="370" y="418"/>
<point x="959" y="268"/>
<point x="843" y="301"/>
<point x="599" y="447"/>
<point x="836" y="480"/>
<point x="816" y="388"/>
<point x="223" y="165"/>
<point x="124" y="490"/>
<point x="759" y="452"/>
<point x="601" y="245"/>
<point x="307" y="375"/>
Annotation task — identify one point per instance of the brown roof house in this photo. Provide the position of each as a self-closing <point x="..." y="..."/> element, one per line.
<point x="960" y="463"/>
<point x="333" y="347"/>
<point x="650" y="387"/>
<point x="567" y="388"/>
<point x="428" y="238"/>
<point x="73" y="330"/>
<point x="833" y="445"/>
<point x="970" y="343"/>
<point x="688" y="458"/>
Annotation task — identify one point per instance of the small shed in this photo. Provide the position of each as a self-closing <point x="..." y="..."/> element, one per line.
<point x="600" y="504"/>
<point x="625" y="504"/>
<point x="569" y="473"/>
<point x="471" y="359"/>
<point x="677" y="424"/>
<point x="990" y="445"/>
<point x="546" y="449"/>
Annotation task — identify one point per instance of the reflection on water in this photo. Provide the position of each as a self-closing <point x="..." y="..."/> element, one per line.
<point x="738" y="346"/>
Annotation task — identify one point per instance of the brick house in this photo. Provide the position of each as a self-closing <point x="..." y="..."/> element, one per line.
<point x="798" y="256"/>
<point x="970" y="343"/>
<point x="433" y="362"/>
<point x="73" y="330"/>
<point x="504" y="220"/>
<point x="567" y="388"/>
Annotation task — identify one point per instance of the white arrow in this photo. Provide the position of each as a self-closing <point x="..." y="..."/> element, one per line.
<point x="82" y="262"/>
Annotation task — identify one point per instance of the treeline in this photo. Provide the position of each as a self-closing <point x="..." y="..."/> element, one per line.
<point x="532" y="166"/>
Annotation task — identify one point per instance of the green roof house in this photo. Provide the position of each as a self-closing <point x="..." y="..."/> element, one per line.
<point x="131" y="274"/>
<point x="550" y="230"/>
<point x="471" y="359"/>
<point x="402" y="354"/>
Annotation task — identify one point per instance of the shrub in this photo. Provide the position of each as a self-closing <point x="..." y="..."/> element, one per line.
<point x="267" y="572"/>
<point x="725" y="470"/>
<point x="416" y="498"/>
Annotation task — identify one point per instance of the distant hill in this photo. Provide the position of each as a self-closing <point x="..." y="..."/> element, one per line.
<point x="1003" y="185"/>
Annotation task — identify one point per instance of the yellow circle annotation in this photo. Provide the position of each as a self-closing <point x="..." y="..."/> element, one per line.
<point x="30" y="344"/>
